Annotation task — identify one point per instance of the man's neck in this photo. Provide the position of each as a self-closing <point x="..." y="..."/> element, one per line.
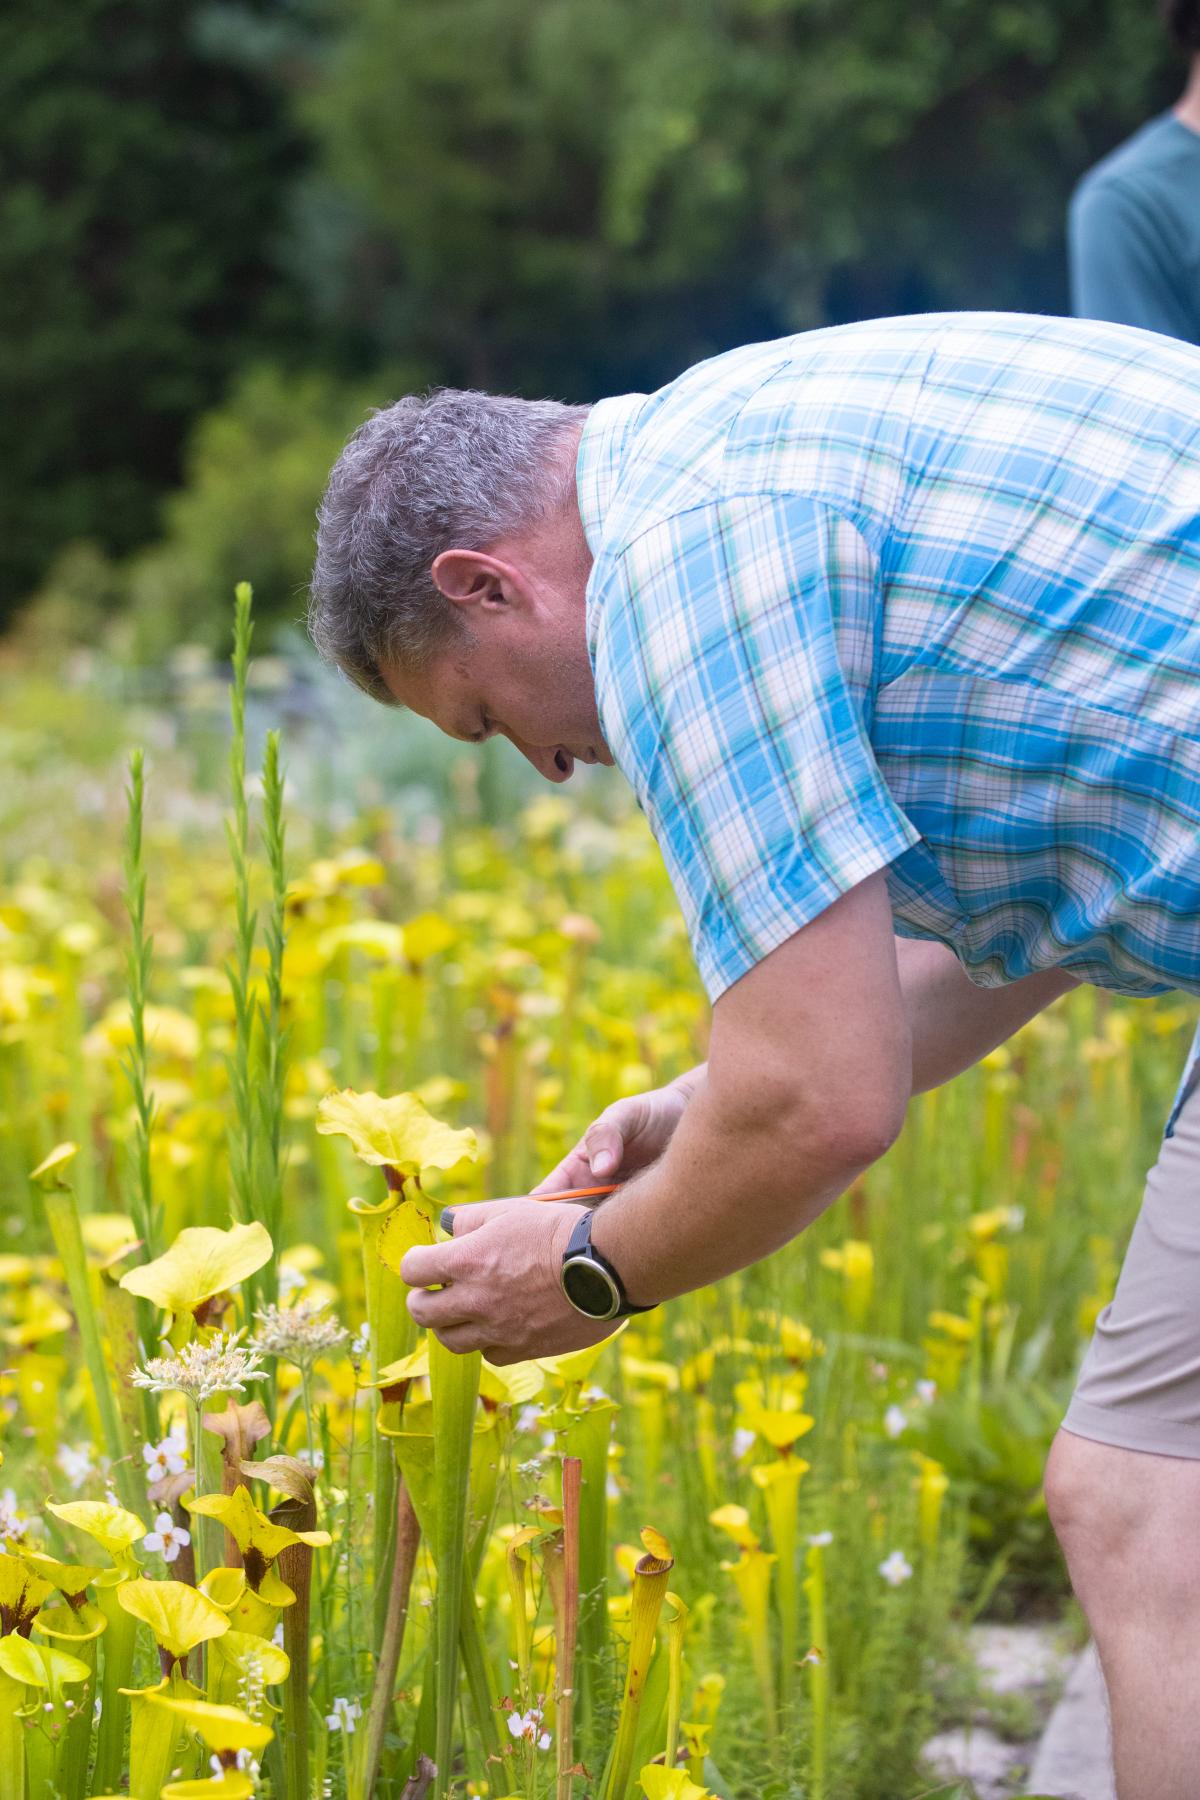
<point x="1187" y="108"/>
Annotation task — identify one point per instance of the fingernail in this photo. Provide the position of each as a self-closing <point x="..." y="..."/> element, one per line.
<point x="602" y="1162"/>
<point x="448" y="1218"/>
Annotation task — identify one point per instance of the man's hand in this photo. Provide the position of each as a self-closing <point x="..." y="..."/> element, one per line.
<point x="628" y="1136"/>
<point x="498" y="1280"/>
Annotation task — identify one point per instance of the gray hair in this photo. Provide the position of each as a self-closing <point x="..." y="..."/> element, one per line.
<point x="448" y="469"/>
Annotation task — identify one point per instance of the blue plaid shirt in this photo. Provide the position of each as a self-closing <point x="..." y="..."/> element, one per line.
<point x="921" y="595"/>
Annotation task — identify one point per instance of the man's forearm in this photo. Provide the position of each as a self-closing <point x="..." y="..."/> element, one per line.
<point x="726" y="1193"/>
<point x="953" y="1023"/>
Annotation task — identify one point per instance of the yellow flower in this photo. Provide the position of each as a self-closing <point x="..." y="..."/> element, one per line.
<point x="21" y="1594"/>
<point x="397" y="1133"/>
<point x="855" y="1262"/>
<point x="258" y="1538"/>
<point x="735" y="1520"/>
<point x="179" y="1616"/>
<point x="225" y="1728"/>
<point x="670" y="1784"/>
<point x="114" y="1529"/>
<point x="202" y="1262"/>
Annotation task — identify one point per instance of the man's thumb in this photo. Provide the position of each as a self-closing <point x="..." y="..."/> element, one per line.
<point x="605" y="1147"/>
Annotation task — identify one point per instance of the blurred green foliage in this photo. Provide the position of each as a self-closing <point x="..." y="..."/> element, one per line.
<point x="144" y="181"/>
<point x="538" y="195"/>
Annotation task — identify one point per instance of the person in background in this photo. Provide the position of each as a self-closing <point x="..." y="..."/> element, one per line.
<point x="1134" y="227"/>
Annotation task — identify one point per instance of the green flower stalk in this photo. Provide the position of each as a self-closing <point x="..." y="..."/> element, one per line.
<point x="269" y="1186"/>
<point x="567" y="1626"/>
<point x="76" y="1628"/>
<point x="586" y="1428"/>
<point x="677" y="1618"/>
<point x="379" y="1714"/>
<point x="454" y="1383"/>
<point x="63" y="1217"/>
<point x="146" y="1216"/>
<point x="818" y="1662"/>
<point x="45" y="1672"/>
<point x="780" y="1485"/>
<point x="244" y="1133"/>
<point x="752" y="1577"/>
<point x="650" y="1579"/>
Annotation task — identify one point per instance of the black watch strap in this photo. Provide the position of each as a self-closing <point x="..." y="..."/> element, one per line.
<point x="580" y="1245"/>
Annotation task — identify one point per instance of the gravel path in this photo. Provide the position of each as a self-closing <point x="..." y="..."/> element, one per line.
<point x="1070" y="1760"/>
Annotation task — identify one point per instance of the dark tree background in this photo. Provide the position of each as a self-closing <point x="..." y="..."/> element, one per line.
<point x="544" y="195"/>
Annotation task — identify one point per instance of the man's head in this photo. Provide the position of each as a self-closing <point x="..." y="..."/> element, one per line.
<point x="451" y="570"/>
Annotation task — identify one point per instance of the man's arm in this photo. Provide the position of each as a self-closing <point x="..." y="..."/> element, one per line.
<point x="813" y="1059"/>
<point x="808" y="1077"/>
<point x="952" y="1021"/>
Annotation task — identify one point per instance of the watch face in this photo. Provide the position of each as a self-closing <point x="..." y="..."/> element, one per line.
<point x="589" y="1288"/>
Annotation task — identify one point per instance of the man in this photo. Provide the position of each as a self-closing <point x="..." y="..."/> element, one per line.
<point x="895" y="630"/>
<point x="1134" y="228"/>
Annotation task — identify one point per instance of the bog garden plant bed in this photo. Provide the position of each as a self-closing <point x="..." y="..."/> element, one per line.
<point x="265" y="1537"/>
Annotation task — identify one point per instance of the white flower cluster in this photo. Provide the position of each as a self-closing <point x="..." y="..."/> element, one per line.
<point x="222" y="1366"/>
<point x="300" y="1334"/>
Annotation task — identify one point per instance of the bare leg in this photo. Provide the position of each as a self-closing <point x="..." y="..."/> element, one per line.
<point x="1129" y="1525"/>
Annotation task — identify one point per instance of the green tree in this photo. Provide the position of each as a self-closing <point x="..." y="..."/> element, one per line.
<point x="569" y="197"/>
<point x="144" y="179"/>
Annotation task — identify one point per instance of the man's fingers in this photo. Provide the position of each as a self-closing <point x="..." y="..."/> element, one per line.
<point x="442" y="1309"/>
<point x="426" y="1265"/>
<point x="462" y="1339"/>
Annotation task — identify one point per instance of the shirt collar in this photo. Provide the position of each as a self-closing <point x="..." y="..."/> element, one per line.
<point x="606" y="437"/>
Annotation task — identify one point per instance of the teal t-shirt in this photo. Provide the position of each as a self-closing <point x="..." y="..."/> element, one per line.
<point x="1134" y="233"/>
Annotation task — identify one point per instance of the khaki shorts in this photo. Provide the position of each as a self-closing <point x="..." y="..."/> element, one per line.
<point x="1139" y="1387"/>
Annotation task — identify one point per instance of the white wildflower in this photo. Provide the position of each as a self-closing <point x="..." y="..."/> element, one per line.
<point x="222" y="1366"/>
<point x="529" y="1726"/>
<point x="167" y="1458"/>
<point x="896" y="1569"/>
<point x="743" y="1442"/>
<point x="13" y="1523"/>
<point x="821" y="1539"/>
<point x="926" y="1392"/>
<point x="76" y="1465"/>
<point x="894" y="1421"/>
<point x="344" y="1713"/>
<point x="167" y="1537"/>
<point x="290" y="1280"/>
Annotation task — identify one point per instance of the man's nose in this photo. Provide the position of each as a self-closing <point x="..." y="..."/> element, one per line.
<point x="556" y="764"/>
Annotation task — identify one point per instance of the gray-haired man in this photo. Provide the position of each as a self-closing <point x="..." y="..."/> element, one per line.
<point x="893" y="629"/>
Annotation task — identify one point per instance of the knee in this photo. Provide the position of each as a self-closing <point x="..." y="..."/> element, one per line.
<point x="1092" y="1519"/>
<point x="1119" y="1516"/>
<point x="1086" y="1505"/>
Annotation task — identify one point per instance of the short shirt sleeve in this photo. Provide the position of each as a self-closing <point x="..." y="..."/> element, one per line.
<point x="734" y="654"/>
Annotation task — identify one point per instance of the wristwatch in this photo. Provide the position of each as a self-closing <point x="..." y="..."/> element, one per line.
<point x="588" y="1279"/>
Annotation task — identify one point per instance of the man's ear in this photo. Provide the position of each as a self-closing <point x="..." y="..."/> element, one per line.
<point x="469" y="577"/>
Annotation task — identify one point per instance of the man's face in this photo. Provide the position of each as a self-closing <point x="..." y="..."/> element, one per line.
<point x="521" y="676"/>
